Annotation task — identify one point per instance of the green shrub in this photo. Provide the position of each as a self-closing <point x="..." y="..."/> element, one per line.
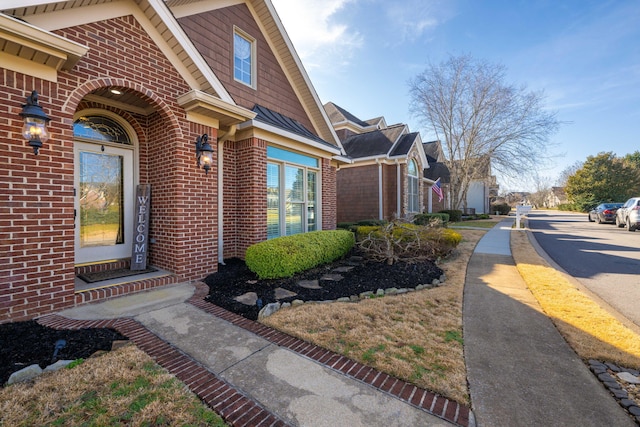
<point x="483" y="216"/>
<point x="438" y="219"/>
<point x="345" y="225"/>
<point x="288" y="255"/>
<point x="455" y="215"/>
<point x="400" y="241"/>
<point x="371" y="222"/>
<point x="501" y="208"/>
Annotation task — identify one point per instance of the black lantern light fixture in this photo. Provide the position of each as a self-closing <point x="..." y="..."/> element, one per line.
<point x="204" y="153"/>
<point x="34" y="129"/>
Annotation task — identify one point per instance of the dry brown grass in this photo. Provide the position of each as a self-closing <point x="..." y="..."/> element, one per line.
<point x="123" y="387"/>
<point x="589" y="329"/>
<point x="416" y="336"/>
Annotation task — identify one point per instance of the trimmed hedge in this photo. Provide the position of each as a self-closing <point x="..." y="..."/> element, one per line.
<point x="501" y="208"/>
<point x="455" y="215"/>
<point x="287" y="255"/>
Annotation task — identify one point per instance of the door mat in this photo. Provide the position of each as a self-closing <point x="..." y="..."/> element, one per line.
<point x="99" y="276"/>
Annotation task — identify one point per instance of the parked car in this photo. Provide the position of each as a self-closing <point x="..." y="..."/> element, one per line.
<point x="604" y="212"/>
<point x="628" y="215"/>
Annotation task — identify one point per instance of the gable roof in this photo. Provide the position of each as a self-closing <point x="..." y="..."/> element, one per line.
<point x="338" y="114"/>
<point x="433" y="150"/>
<point x="373" y="144"/>
<point x="158" y="18"/>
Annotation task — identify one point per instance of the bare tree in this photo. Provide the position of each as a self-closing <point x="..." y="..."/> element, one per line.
<point x="482" y="122"/>
<point x="569" y="171"/>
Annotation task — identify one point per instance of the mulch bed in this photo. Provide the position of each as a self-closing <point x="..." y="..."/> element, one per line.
<point x="26" y="343"/>
<point x="234" y="279"/>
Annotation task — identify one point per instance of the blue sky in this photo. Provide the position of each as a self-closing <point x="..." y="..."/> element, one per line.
<point x="584" y="55"/>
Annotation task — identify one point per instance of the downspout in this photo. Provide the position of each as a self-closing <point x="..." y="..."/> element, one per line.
<point x="398" y="189"/>
<point x="380" y="206"/>
<point x="430" y="198"/>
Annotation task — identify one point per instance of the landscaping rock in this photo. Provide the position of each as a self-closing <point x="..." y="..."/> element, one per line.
<point x="268" y="310"/>
<point x="627" y="377"/>
<point x="344" y="299"/>
<point x="281" y="293"/>
<point x="380" y="292"/>
<point x="297" y="302"/>
<point x="57" y="366"/>
<point x="25" y="374"/>
<point x="309" y="284"/>
<point x="248" y="298"/>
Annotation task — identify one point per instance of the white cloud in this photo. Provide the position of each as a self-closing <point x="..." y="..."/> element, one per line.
<point x="317" y="37"/>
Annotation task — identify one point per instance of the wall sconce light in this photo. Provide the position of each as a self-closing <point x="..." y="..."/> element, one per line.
<point x="204" y="153"/>
<point x="34" y="129"/>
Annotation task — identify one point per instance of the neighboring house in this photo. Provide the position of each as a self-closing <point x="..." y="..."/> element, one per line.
<point x="555" y="197"/>
<point x="483" y="189"/>
<point x="385" y="177"/>
<point x="130" y="86"/>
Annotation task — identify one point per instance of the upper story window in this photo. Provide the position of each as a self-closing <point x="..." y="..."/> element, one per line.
<point x="244" y="54"/>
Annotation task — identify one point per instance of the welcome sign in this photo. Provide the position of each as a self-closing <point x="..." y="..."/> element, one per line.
<point x="141" y="227"/>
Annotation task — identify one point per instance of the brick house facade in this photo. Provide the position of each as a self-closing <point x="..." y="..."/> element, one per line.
<point x="164" y="75"/>
<point x="384" y="178"/>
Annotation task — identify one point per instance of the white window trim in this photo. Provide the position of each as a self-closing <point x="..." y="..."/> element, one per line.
<point x="282" y="202"/>
<point x="254" y="57"/>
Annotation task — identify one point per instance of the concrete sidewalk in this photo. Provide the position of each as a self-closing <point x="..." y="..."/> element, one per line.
<point x="520" y="370"/>
<point x="298" y="383"/>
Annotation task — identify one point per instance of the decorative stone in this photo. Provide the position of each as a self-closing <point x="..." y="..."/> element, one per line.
<point x="282" y="293"/>
<point x="443" y="278"/>
<point x="364" y="295"/>
<point x="627" y="377"/>
<point x="285" y="305"/>
<point x="25" y="374"/>
<point x="268" y="310"/>
<point x="354" y="298"/>
<point x="402" y="291"/>
<point x="343" y="269"/>
<point x="309" y="284"/>
<point x="391" y="291"/>
<point x="332" y="277"/>
<point x="420" y="287"/>
<point x="612" y="385"/>
<point x="435" y="282"/>
<point x="249" y="298"/>
<point x="598" y="369"/>
<point x="627" y="403"/>
<point x="57" y="366"/>
<point x="634" y="410"/>
<point x="613" y="367"/>
<point x="620" y="394"/>
<point x="344" y="299"/>
<point x="606" y="377"/>
<point x="380" y="292"/>
<point x="297" y="302"/>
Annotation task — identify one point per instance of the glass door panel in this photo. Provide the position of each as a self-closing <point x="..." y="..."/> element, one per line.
<point x="104" y="202"/>
<point x="294" y="189"/>
<point x="273" y="200"/>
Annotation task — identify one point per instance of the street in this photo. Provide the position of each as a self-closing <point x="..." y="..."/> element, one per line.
<point x="603" y="257"/>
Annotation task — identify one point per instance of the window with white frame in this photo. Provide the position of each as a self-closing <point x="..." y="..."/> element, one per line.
<point x="413" y="189"/>
<point x="244" y="58"/>
<point x="292" y="193"/>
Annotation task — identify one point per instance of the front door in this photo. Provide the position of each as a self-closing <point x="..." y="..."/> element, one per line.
<point x="104" y="196"/>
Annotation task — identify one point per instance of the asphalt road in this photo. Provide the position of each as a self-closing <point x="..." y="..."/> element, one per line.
<point x="603" y="257"/>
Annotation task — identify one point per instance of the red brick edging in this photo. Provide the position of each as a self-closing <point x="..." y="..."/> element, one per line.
<point x="231" y="404"/>
<point x="432" y="403"/>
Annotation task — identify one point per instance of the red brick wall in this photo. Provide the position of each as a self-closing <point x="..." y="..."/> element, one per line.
<point x="357" y="193"/>
<point x="390" y="191"/>
<point x="329" y="201"/>
<point x="36" y="193"/>
<point x="245" y="200"/>
<point x="212" y="33"/>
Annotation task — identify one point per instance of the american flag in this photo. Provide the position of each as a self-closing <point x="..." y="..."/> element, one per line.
<point x="438" y="189"/>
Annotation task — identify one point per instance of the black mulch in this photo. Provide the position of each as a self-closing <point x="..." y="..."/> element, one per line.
<point x="234" y="279"/>
<point x="27" y="343"/>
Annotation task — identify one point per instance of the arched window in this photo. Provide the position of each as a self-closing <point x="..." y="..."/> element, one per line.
<point x="100" y="128"/>
<point x="413" y="187"/>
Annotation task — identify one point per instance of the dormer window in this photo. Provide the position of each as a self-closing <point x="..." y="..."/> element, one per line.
<point x="244" y="58"/>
